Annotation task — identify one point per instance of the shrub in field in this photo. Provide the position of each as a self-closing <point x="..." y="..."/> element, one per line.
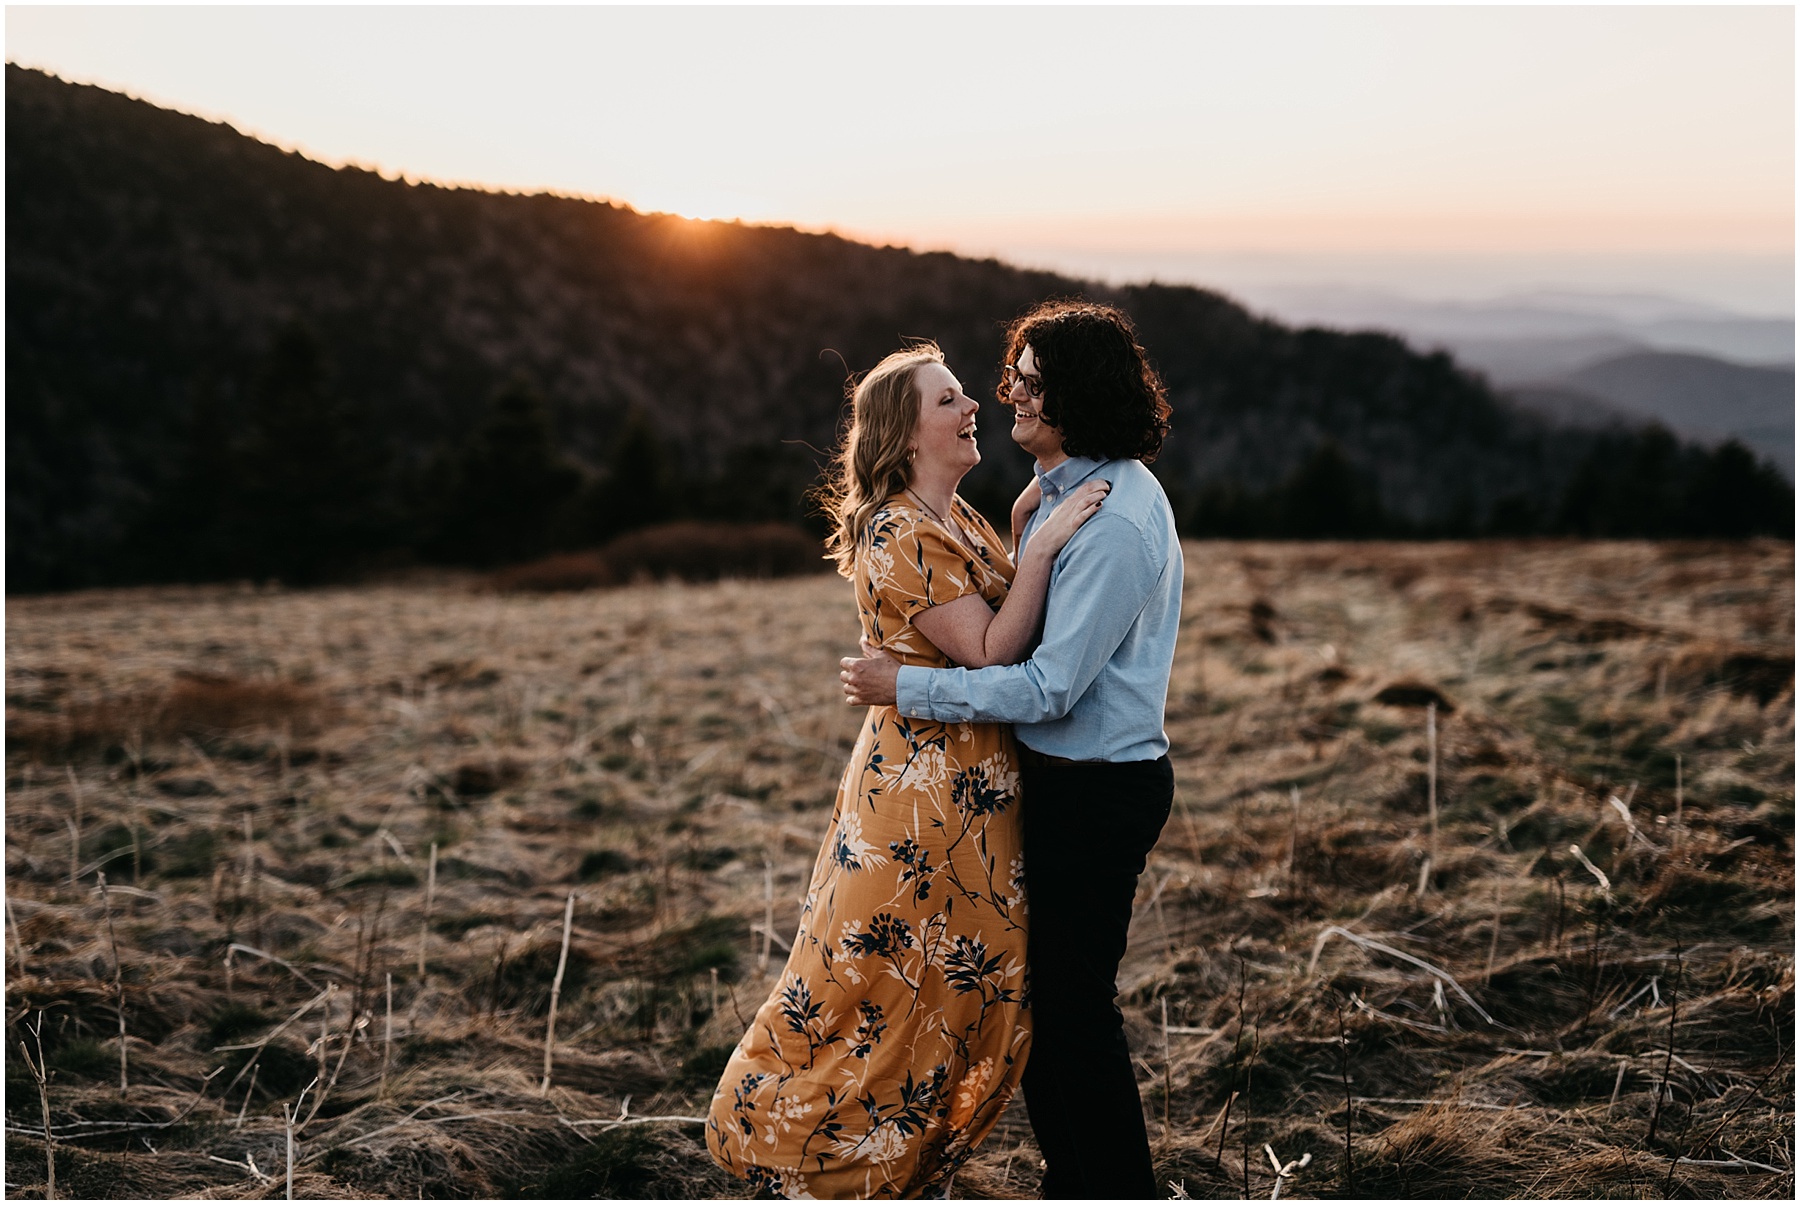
<point x="1409" y="693"/>
<point x="198" y="702"/>
<point x="564" y="571"/>
<point x="84" y="1058"/>
<point x="697" y="552"/>
<point x="191" y="853"/>
<point x="484" y="778"/>
<point x="521" y="979"/>
<point x="79" y="727"/>
<point x="1750" y="672"/>
<point x="233" y="1020"/>
<point x="603" y="862"/>
<point x="196" y="705"/>
<point x="687" y="551"/>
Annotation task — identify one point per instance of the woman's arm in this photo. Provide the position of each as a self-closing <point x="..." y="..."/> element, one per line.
<point x="971" y="633"/>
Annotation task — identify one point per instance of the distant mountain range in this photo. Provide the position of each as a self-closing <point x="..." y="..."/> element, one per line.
<point x="227" y="360"/>
<point x="1530" y="336"/>
<point x="1590" y="359"/>
<point x="1698" y="396"/>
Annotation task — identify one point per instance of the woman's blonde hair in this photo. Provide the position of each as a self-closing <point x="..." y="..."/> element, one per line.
<point x="873" y="461"/>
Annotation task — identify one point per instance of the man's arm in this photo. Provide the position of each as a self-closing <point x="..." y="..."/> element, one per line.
<point x="1105" y="577"/>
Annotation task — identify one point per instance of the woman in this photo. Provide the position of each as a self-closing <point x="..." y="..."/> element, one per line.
<point x="897" y="1031"/>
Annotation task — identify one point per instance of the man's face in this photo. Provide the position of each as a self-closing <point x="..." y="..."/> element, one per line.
<point x="1030" y="431"/>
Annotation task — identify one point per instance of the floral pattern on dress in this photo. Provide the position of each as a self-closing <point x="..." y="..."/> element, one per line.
<point x="897" y="1031"/>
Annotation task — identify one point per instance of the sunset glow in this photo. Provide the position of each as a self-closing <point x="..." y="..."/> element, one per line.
<point x="1597" y="133"/>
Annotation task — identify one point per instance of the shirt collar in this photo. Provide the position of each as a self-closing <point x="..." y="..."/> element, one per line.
<point x="1067" y="475"/>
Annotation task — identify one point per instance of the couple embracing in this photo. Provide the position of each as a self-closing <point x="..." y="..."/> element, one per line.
<point x="1014" y="734"/>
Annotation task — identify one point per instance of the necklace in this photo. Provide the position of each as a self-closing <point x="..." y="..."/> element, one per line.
<point x="928" y="507"/>
<point x="942" y="521"/>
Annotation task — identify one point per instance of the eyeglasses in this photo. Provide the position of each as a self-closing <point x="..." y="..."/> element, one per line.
<point x="1011" y="376"/>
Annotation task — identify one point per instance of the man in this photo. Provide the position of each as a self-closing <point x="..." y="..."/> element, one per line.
<point x="1088" y="713"/>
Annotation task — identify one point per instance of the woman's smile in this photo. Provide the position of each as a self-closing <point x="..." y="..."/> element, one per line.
<point x="945" y="437"/>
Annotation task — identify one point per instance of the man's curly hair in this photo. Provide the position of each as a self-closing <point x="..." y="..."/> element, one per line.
<point x="1099" y="389"/>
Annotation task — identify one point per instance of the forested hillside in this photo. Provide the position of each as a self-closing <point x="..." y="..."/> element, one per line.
<point x="226" y="360"/>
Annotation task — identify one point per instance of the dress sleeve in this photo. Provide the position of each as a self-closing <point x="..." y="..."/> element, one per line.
<point x="913" y="566"/>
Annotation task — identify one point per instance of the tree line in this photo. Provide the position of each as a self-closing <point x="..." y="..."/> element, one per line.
<point x="1631" y="483"/>
<point x="303" y="490"/>
<point x="303" y="493"/>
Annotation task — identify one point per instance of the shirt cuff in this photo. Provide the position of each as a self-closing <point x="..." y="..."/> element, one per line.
<point x="912" y="692"/>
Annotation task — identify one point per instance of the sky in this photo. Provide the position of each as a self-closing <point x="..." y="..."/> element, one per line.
<point x="1446" y="152"/>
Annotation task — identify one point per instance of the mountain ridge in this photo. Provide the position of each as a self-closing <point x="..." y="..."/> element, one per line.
<point x="1514" y="325"/>
<point x="189" y="308"/>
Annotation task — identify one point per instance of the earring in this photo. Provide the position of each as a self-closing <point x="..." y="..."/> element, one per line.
<point x="910" y="453"/>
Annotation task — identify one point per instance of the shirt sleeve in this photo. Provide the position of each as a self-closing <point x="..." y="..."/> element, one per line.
<point x="913" y="566"/>
<point x="1100" y="584"/>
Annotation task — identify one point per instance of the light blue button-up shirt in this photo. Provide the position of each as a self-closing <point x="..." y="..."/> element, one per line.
<point x="1095" y="687"/>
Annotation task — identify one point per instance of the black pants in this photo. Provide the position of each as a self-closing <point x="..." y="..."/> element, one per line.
<point x="1088" y="829"/>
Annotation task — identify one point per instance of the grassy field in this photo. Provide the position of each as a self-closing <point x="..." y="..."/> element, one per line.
<point x="339" y="831"/>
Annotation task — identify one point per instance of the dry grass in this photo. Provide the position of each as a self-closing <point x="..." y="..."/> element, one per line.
<point x="262" y="778"/>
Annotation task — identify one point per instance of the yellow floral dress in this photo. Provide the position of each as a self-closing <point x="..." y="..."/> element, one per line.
<point x="898" y="1029"/>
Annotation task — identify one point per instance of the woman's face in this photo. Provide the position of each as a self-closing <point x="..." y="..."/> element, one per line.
<point x="944" y="441"/>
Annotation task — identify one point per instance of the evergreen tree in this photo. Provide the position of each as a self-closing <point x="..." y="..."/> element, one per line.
<point x="1580" y="512"/>
<point x="308" y="477"/>
<point x="1646" y="494"/>
<point x="504" y="488"/>
<point x="1326" y="498"/>
<point x="1515" y="515"/>
<point x="640" y="486"/>
<point x="1734" y="495"/>
<point x="1645" y="484"/>
<point x="189" y="531"/>
<point x="1226" y="511"/>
